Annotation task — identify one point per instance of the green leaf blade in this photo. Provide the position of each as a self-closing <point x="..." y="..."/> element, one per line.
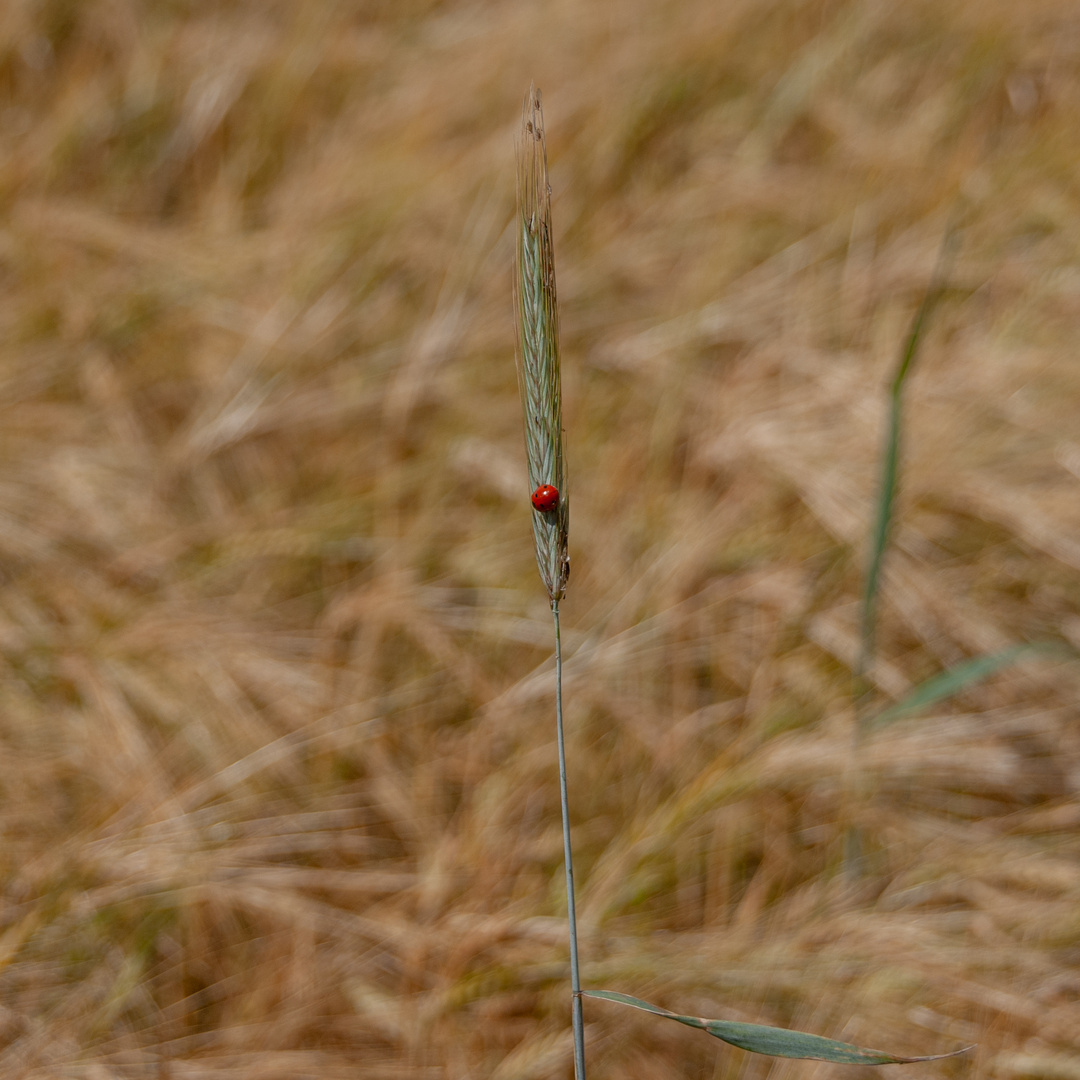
<point x="773" y="1041"/>
<point x="947" y="683"/>
<point x="645" y="1006"/>
<point x="781" y="1042"/>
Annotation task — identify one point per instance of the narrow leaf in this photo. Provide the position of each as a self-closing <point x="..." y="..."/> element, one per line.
<point x="775" y="1042"/>
<point x="890" y="460"/>
<point x="947" y="683"/>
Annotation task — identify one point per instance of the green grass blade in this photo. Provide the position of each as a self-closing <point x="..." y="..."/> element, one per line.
<point x="882" y="525"/>
<point x="947" y="683"/>
<point x="890" y="464"/>
<point x="775" y="1042"/>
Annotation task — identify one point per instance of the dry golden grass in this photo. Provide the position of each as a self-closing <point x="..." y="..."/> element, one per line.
<point x="279" y="795"/>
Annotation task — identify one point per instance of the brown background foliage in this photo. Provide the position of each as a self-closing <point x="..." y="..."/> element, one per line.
<point x="277" y="779"/>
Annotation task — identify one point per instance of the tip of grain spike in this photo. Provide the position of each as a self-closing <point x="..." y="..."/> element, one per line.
<point x="532" y="113"/>
<point x="532" y="116"/>
<point x="533" y="188"/>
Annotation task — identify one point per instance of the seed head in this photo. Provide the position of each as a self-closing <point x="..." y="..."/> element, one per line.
<point x="538" y="348"/>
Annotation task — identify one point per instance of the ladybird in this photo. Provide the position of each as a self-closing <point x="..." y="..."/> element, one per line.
<point x="545" y="498"/>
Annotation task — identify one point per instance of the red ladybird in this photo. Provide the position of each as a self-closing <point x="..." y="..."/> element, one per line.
<point x="545" y="498"/>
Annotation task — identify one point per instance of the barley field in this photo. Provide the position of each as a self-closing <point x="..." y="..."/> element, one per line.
<point x="278" y="787"/>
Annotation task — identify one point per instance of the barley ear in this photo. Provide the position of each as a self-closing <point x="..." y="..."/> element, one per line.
<point x="538" y="348"/>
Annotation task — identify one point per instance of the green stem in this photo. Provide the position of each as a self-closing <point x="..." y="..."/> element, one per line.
<point x="568" y="858"/>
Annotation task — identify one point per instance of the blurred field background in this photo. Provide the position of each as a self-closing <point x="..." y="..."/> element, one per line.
<point x="278" y="794"/>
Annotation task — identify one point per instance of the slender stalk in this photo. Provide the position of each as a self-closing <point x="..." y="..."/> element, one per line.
<point x="568" y="859"/>
<point x="541" y="400"/>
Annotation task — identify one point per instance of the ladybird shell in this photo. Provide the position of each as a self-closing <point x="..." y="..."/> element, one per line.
<point x="545" y="498"/>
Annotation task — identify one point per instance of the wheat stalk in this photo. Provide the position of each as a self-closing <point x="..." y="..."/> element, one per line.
<point x="539" y="381"/>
